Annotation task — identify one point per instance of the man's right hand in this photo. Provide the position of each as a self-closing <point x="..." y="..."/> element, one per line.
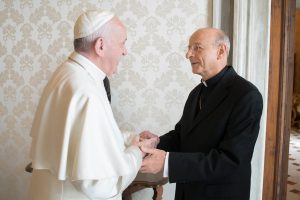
<point x="153" y="139"/>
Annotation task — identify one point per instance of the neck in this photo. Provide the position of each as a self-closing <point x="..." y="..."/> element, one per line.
<point x="214" y="73"/>
<point x="94" y="59"/>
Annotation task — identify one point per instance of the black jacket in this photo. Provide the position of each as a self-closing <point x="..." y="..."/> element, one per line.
<point x="210" y="154"/>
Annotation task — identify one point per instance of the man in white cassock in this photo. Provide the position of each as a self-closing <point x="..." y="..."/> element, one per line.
<point x="78" y="151"/>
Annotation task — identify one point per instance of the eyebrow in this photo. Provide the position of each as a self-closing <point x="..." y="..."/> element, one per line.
<point x="196" y="43"/>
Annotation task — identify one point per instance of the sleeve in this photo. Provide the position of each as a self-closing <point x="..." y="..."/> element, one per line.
<point x="97" y="149"/>
<point x="128" y="137"/>
<point x="166" y="166"/>
<point x="235" y="149"/>
<point x="95" y="189"/>
<point x="104" y="188"/>
<point x="170" y="141"/>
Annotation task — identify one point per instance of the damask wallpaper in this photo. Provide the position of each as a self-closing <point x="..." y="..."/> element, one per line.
<point x="148" y="92"/>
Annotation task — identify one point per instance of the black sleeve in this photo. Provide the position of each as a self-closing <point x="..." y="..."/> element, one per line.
<point x="235" y="149"/>
<point x="170" y="141"/>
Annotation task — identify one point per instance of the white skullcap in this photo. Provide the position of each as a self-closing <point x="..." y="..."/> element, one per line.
<point x="90" y="21"/>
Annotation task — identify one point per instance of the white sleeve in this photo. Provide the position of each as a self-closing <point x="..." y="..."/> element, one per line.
<point x="111" y="186"/>
<point x="128" y="137"/>
<point x="98" y="189"/>
<point x="166" y="166"/>
<point x="103" y="189"/>
<point x="97" y="149"/>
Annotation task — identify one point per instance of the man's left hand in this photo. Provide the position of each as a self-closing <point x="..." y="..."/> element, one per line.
<point x="154" y="162"/>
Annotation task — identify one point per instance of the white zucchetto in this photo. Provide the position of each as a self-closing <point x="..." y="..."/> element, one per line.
<point x="91" y="21"/>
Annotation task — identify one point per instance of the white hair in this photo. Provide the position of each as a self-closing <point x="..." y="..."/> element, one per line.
<point x="222" y="38"/>
<point x="86" y="43"/>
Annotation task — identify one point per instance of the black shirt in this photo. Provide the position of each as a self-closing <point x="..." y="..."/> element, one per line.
<point x="209" y="85"/>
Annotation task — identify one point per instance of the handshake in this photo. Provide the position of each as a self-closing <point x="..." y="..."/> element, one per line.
<point x="153" y="159"/>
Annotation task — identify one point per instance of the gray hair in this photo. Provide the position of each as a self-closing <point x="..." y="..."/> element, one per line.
<point x="86" y="43"/>
<point x="222" y="38"/>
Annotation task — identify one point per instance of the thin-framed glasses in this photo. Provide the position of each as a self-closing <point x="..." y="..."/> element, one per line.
<point x="196" y="47"/>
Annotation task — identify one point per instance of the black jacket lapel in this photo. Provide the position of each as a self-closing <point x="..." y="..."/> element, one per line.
<point x="215" y="98"/>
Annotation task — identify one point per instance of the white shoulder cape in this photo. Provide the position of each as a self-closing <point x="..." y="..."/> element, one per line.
<point x="74" y="134"/>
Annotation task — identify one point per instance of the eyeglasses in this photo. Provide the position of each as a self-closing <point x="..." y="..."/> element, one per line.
<point x="196" y="47"/>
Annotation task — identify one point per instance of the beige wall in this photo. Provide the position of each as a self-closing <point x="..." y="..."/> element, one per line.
<point x="148" y="92"/>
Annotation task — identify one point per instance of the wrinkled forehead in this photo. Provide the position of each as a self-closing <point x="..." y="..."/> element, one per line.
<point x="117" y="29"/>
<point x="202" y="37"/>
<point x="121" y="32"/>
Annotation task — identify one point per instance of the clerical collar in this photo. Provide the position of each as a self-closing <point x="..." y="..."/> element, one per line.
<point x="213" y="80"/>
<point x="204" y="82"/>
<point x="97" y="74"/>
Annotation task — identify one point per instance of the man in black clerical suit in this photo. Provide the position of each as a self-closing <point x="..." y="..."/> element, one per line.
<point x="208" y="154"/>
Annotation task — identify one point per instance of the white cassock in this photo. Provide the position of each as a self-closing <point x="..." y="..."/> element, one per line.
<point x="78" y="151"/>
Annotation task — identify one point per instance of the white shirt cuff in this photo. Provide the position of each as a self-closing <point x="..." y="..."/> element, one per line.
<point x="166" y="166"/>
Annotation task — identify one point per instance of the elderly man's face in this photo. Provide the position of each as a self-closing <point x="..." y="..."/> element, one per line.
<point x="115" y="46"/>
<point x="202" y="53"/>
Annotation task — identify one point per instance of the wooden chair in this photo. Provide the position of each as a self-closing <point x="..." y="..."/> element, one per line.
<point x="142" y="181"/>
<point x="29" y="168"/>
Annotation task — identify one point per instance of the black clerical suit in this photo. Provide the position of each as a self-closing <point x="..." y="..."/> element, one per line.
<point x="211" y="148"/>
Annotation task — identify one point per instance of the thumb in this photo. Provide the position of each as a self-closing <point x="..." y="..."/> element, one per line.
<point x="148" y="150"/>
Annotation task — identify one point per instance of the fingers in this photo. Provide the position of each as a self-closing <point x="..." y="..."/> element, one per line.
<point x="150" y="165"/>
<point x="144" y="169"/>
<point x="147" y="135"/>
<point x="149" y="143"/>
<point x="147" y="165"/>
<point x="154" y="162"/>
<point x="148" y="150"/>
<point x="136" y="140"/>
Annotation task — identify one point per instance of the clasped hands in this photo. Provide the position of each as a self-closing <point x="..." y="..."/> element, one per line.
<point x="153" y="159"/>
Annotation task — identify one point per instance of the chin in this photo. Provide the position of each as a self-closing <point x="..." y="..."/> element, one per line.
<point x="195" y="71"/>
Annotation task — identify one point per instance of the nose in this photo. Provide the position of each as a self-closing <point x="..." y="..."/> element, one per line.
<point x="189" y="54"/>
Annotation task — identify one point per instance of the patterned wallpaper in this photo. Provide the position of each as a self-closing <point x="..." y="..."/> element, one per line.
<point x="148" y="92"/>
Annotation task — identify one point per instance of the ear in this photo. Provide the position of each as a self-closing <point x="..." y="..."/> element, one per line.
<point x="222" y="51"/>
<point x="98" y="46"/>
